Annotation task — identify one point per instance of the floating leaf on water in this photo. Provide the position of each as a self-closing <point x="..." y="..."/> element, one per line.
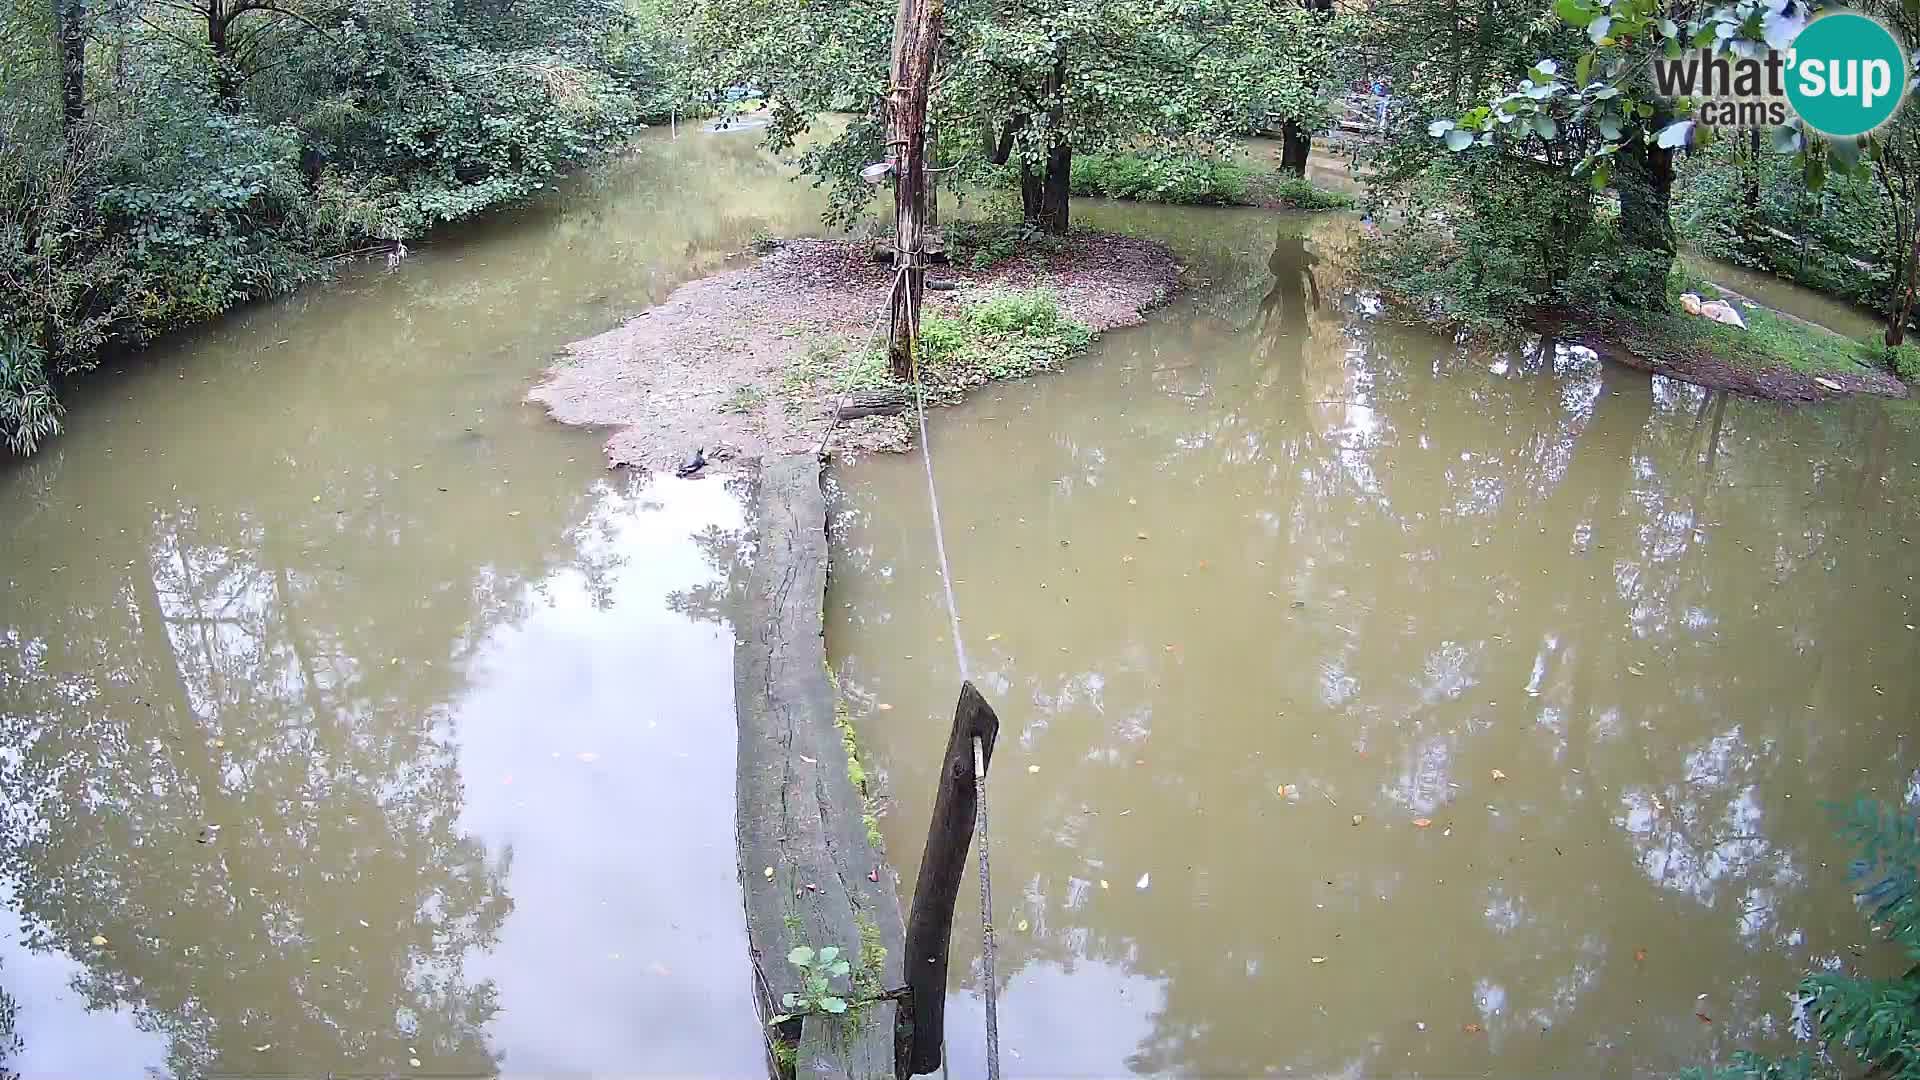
<point x="1498" y="775"/>
<point x="100" y="939"/>
<point x="1145" y="880"/>
<point x="1316" y="959"/>
<point x="263" y="1048"/>
<point x="1703" y="1018"/>
<point x="1033" y="768"/>
<point x="1472" y="1029"/>
<point x="219" y="742"/>
<point x="1358" y="818"/>
<point x="1421" y="823"/>
<point x="1635" y="669"/>
<point x="513" y="513"/>
<point x="1640" y="955"/>
<point x="884" y="707"/>
<point x="769" y="872"/>
<point x="1103" y="883"/>
<point x="1022" y="925"/>
<point x="1139" y="536"/>
<point x="993" y="637"/>
<point x="415" y="1062"/>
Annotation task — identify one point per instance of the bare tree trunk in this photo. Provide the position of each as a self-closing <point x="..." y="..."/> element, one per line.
<point x="917" y="39"/>
<point x="1296" y="146"/>
<point x="69" y="22"/>
<point x="1045" y="199"/>
<point x="1903" y="311"/>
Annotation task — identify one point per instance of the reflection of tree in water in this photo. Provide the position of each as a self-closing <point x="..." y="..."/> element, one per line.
<point x="727" y="552"/>
<point x="1567" y="556"/>
<point x="233" y="761"/>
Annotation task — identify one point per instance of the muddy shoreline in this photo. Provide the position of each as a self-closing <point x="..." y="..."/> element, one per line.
<point x="731" y="361"/>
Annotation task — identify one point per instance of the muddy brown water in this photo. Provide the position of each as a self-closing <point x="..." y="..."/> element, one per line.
<point x="1374" y="706"/>
<point x="355" y="717"/>
<point x="457" y="700"/>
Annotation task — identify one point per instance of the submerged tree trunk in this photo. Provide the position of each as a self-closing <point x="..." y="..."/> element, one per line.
<point x="1644" y="178"/>
<point x="1295" y="147"/>
<point x="69" y="22"/>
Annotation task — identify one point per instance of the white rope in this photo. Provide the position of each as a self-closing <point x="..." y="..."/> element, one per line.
<point x="939" y="534"/>
<point x="986" y="910"/>
<point x="979" y="751"/>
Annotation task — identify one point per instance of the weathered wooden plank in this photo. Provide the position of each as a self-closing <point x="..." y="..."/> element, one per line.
<point x="930" y="923"/>
<point x="809" y="872"/>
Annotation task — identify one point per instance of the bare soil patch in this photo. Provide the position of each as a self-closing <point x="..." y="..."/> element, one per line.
<point x="733" y="362"/>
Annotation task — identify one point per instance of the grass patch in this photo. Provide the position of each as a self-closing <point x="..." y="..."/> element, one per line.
<point x="1771" y="339"/>
<point x="1007" y="336"/>
<point x="744" y="399"/>
<point x="1292" y="192"/>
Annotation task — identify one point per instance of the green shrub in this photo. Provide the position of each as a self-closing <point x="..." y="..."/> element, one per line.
<point x="1904" y="361"/>
<point x="1299" y="193"/>
<point x="1159" y="177"/>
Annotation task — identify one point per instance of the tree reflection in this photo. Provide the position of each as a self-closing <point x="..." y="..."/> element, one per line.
<point x="233" y="789"/>
<point x="1228" y="611"/>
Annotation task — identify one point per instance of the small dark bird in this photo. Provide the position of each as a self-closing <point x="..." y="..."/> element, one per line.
<point x="694" y="463"/>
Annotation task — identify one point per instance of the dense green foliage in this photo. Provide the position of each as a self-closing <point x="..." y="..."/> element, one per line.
<point x="1027" y="87"/>
<point x="167" y="160"/>
<point x="1597" y="103"/>
<point x="1861" y="1021"/>
<point x="1169" y="178"/>
<point x="1755" y="209"/>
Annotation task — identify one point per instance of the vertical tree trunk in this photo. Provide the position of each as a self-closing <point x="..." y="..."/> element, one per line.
<point x="1056" y="190"/>
<point x="917" y="25"/>
<point x="1044" y="200"/>
<point x="1903" y="311"/>
<point x="69" y="22"/>
<point x="1296" y="146"/>
<point x="1644" y="178"/>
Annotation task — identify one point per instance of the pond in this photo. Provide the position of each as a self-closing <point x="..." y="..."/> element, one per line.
<point x="1376" y="705"/>
<point x="355" y="717"/>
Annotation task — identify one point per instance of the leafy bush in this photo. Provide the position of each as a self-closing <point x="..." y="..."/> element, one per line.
<point x="1836" y="240"/>
<point x="1487" y="244"/>
<point x="1297" y="192"/>
<point x="191" y="185"/>
<point x="1159" y="177"/>
<point x="982" y="243"/>
<point x="1904" y="361"/>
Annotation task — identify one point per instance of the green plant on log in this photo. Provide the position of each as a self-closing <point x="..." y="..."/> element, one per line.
<point x="817" y="970"/>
